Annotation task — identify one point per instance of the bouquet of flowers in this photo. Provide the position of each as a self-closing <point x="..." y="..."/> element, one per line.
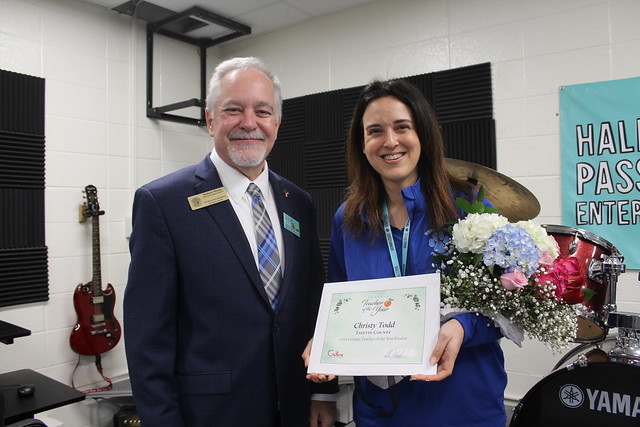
<point x="511" y="273"/>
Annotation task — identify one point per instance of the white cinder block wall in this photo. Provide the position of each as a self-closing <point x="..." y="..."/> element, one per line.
<point x="97" y="132"/>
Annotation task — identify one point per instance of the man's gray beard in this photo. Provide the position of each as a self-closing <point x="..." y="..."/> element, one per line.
<point x="246" y="158"/>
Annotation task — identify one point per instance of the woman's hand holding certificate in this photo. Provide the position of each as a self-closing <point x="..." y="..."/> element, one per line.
<point x="444" y="354"/>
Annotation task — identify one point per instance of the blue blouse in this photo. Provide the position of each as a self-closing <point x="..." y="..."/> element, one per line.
<point x="474" y="393"/>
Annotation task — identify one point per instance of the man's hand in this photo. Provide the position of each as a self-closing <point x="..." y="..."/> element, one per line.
<point x="450" y="339"/>
<point x="323" y="414"/>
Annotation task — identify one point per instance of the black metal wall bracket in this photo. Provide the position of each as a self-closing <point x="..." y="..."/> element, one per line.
<point x="176" y="26"/>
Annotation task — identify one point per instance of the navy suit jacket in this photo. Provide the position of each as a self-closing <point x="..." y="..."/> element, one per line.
<point x="203" y="345"/>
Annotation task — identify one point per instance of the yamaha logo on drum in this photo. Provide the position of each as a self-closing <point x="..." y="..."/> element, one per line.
<point x="612" y="403"/>
<point x="571" y="395"/>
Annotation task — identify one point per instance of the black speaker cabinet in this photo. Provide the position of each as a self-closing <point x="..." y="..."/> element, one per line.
<point x="126" y="417"/>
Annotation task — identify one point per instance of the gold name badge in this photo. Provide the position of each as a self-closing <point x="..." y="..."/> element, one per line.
<point x="208" y="198"/>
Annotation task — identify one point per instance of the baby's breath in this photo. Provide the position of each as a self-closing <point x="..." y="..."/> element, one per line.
<point x="470" y="278"/>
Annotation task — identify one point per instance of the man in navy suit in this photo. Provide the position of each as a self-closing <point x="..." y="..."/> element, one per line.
<point x="206" y="345"/>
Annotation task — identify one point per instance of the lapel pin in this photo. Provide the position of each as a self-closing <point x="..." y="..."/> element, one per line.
<point x="291" y="224"/>
<point x="286" y="192"/>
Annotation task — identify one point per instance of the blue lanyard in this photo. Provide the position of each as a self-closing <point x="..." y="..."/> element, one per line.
<point x="391" y="245"/>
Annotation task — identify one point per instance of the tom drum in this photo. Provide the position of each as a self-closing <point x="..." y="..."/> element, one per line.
<point x="589" y="249"/>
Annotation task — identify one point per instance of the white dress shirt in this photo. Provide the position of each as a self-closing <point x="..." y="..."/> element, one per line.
<point x="236" y="185"/>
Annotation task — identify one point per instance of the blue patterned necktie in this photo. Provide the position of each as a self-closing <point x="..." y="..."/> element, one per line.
<point x="268" y="258"/>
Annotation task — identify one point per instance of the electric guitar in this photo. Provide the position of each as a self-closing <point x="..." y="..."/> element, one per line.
<point x="97" y="330"/>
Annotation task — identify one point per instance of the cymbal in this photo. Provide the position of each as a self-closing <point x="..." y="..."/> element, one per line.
<point x="510" y="197"/>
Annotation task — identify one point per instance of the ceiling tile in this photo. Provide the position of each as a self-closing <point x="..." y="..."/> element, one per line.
<point x="261" y="15"/>
<point x="319" y="8"/>
<point x="276" y="16"/>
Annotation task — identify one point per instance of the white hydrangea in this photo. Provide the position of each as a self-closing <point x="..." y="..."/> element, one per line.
<point x="472" y="233"/>
<point x="544" y="242"/>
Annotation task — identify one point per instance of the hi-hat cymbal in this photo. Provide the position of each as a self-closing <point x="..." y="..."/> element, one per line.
<point x="510" y="197"/>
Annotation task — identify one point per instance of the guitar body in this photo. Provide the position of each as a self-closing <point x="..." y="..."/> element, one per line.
<point x="97" y="329"/>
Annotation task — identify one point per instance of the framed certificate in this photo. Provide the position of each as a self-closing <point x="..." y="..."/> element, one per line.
<point x="377" y="327"/>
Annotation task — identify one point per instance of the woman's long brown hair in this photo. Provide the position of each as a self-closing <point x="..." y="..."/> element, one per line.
<point x="366" y="193"/>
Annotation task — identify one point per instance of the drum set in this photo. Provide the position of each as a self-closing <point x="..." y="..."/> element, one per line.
<point x="597" y="383"/>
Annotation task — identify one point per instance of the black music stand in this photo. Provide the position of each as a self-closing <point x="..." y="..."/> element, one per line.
<point x="9" y="331"/>
<point x="48" y="394"/>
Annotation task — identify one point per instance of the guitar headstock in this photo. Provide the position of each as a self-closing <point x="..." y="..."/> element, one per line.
<point x="91" y="206"/>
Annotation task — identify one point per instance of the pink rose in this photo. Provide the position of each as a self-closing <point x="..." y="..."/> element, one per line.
<point x="545" y="259"/>
<point x="513" y="280"/>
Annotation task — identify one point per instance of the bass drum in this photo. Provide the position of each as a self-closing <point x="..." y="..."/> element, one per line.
<point x="592" y="394"/>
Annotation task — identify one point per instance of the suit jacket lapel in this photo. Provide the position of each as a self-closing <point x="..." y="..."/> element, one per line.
<point x="283" y="204"/>
<point x="222" y="213"/>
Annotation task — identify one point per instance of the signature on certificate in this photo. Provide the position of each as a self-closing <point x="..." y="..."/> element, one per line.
<point x="397" y="353"/>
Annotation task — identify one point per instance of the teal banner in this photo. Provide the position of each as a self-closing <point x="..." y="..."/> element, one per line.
<point x="600" y="147"/>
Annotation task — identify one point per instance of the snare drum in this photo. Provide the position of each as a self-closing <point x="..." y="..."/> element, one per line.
<point x="593" y="394"/>
<point x="588" y="249"/>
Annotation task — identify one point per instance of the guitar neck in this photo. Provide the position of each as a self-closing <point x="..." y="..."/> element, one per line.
<point x="97" y="274"/>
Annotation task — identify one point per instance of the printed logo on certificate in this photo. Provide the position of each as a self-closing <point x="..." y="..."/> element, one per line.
<point x="377" y="327"/>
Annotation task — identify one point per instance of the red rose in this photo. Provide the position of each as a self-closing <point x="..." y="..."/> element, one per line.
<point x="570" y="269"/>
<point x="551" y="276"/>
<point x="566" y="275"/>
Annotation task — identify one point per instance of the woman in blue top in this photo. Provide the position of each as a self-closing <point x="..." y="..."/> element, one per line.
<point x="401" y="193"/>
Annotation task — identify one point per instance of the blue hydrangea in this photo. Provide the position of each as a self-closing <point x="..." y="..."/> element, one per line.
<point x="511" y="247"/>
<point x="438" y="241"/>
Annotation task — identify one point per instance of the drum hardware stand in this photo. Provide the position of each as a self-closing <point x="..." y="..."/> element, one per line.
<point x="627" y="349"/>
<point x="609" y="268"/>
<point x="604" y="272"/>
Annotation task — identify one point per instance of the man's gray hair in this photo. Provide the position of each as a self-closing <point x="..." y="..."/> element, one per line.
<point x="244" y="63"/>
